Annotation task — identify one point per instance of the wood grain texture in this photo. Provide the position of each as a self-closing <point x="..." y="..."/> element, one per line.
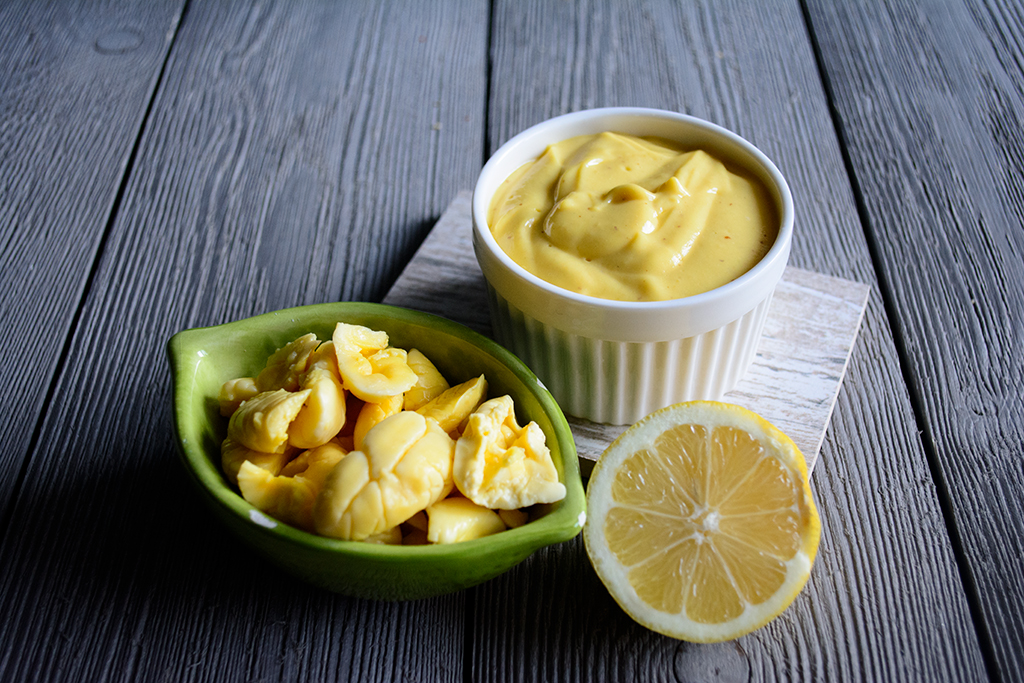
<point x="295" y="153"/>
<point x="793" y="382"/>
<point x="885" y="600"/>
<point x="930" y="101"/>
<point x="75" y="81"/>
<point x="443" y="277"/>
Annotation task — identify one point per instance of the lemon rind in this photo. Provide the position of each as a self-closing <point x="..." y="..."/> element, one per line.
<point x="614" y="575"/>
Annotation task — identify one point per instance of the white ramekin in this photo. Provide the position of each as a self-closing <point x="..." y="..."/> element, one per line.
<point x="616" y="361"/>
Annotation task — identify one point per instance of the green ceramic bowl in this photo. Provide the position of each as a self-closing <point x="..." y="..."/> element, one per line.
<point x="202" y="359"/>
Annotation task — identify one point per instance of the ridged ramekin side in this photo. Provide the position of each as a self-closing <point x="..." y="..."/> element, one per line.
<point x="620" y="382"/>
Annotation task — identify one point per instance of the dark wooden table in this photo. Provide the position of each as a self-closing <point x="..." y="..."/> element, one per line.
<point x="177" y="163"/>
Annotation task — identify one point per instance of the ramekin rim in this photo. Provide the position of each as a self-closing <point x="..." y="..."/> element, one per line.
<point x="779" y="250"/>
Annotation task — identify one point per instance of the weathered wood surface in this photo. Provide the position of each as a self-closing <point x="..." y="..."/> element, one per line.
<point x="885" y="600"/>
<point x="297" y="152"/>
<point x="292" y="156"/>
<point x="76" y="79"/>
<point x="793" y="382"/>
<point x="929" y="99"/>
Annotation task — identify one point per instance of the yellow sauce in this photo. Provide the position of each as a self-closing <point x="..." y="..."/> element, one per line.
<point x="633" y="219"/>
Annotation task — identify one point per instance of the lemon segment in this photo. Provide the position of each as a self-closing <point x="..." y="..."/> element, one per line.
<point x="701" y="521"/>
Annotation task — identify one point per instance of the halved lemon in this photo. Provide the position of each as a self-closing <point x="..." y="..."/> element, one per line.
<point x="701" y="522"/>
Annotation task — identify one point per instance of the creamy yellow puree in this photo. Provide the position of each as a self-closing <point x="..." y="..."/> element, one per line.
<point x="634" y="219"/>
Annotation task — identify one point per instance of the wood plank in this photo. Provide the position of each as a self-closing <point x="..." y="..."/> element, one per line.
<point x="793" y="381"/>
<point x="884" y="601"/>
<point x="295" y="154"/>
<point x="76" y="79"/>
<point x="929" y="100"/>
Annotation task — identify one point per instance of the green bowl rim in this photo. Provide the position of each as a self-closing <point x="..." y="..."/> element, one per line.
<point x="560" y="524"/>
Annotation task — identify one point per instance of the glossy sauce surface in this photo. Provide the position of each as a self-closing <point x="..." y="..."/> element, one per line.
<point x="633" y="219"/>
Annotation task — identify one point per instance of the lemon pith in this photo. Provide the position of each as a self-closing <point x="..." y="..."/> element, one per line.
<point x="701" y="521"/>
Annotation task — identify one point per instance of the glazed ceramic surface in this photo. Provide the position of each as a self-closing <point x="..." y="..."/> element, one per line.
<point x="202" y="359"/>
<point x="616" y="361"/>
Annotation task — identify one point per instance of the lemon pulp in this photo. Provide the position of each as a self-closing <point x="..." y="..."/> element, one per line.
<point x="702" y="524"/>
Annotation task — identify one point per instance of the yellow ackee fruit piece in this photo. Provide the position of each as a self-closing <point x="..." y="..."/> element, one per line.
<point x="372" y="478"/>
<point x="404" y="466"/>
<point x="262" y="422"/>
<point x="323" y="414"/>
<point x="286" y="365"/>
<point x="500" y="465"/>
<point x="316" y="463"/>
<point x="454" y="520"/>
<point x="701" y="521"/>
<point x="369" y="368"/>
<point x="233" y="392"/>
<point x="373" y="414"/>
<point x="454" y="405"/>
<point x="513" y="518"/>
<point x="392" y="536"/>
<point x="431" y="382"/>
<point x="290" y="496"/>
<point x="233" y="454"/>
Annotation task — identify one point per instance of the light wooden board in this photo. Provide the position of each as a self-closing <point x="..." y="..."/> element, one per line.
<point x="793" y="382"/>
